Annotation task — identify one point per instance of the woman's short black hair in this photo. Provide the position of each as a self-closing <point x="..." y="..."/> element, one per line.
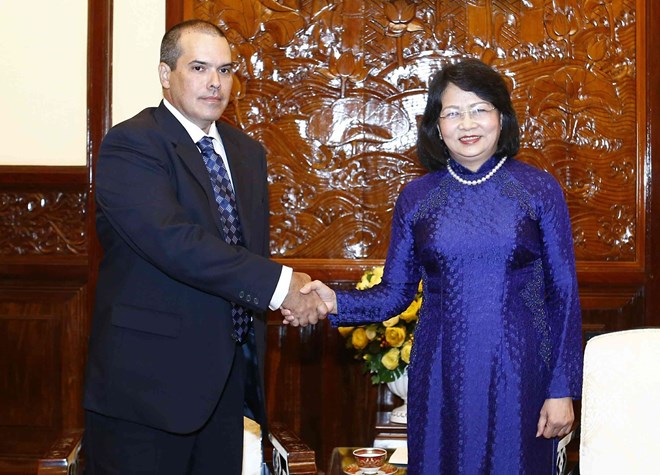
<point x="470" y="75"/>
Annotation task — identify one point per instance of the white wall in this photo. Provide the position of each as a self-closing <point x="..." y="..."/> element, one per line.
<point x="43" y="82"/>
<point x="138" y="29"/>
<point x="43" y="75"/>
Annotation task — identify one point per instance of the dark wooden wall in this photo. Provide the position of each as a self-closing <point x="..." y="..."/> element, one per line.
<point x="332" y="195"/>
<point x="48" y="255"/>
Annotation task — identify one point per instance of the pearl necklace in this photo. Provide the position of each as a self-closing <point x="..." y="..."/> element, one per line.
<point x="480" y="180"/>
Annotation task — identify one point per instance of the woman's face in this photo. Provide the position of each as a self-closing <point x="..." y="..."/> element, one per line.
<point x="469" y="126"/>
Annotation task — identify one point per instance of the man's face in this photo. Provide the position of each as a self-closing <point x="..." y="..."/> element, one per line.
<point x="200" y="85"/>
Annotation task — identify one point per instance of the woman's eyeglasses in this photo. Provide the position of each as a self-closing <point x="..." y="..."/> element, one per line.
<point x="476" y="113"/>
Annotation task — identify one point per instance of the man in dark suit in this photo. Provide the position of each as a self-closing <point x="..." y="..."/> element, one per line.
<point x="182" y="216"/>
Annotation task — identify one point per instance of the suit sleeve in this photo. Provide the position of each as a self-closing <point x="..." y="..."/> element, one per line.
<point x="146" y="199"/>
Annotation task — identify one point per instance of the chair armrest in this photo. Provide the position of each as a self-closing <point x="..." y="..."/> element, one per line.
<point x="63" y="457"/>
<point x="291" y="456"/>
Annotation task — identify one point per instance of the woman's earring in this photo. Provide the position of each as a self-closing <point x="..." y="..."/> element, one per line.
<point x="439" y="133"/>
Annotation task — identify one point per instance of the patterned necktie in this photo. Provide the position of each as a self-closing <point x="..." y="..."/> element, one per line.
<point x="231" y="226"/>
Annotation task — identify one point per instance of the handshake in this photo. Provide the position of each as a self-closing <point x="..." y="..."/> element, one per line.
<point x="307" y="301"/>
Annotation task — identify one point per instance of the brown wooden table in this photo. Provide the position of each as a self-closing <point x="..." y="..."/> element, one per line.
<point x="341" y="457"/>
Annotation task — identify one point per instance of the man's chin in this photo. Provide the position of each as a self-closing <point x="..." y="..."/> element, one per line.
<point x="214" y="113"/>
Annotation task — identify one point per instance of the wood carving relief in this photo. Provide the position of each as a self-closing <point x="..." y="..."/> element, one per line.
<point x="42" y="223"/>
<point x="334" y="89"/>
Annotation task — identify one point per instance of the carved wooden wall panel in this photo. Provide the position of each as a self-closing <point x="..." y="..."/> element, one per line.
<point x="42" y="223"/>
<point x="334" y="90"/>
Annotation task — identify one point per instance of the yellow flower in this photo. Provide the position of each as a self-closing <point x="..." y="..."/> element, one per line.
<point x="395" y="336"/>
<point x="370" y="278"/>
<point x="384" y="348"/>
<point x="363" y="284"/>
<point x="372" y="331"/>
<point x="391" y="322"/>
<point x="405" y="351"/>
<point x="391" y="359"/>
<point x="359" y="338"/>
<point x="345" y="331"/>
<point x="410" y="314"/>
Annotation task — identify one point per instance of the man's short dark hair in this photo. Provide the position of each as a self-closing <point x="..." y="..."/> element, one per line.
<point x="170" y="50"/>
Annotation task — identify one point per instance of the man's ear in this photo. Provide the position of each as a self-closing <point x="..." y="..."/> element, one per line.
<point x="164" y="75"/>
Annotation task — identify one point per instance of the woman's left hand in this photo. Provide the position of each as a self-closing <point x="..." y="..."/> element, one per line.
<point x="556" y="418"/>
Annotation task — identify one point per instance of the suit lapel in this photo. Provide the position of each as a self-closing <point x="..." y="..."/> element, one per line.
<point x="189" y="155"/>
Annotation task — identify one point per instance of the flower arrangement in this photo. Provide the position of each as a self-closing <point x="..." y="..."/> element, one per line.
<point x="384" y="347"/>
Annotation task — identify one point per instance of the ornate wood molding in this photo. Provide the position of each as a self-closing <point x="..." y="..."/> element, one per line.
<point x="651" y="37"/>
<point x="43" y="223"/>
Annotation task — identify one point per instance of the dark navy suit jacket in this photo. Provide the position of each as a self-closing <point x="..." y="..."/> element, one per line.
<point x="160" y="349"/>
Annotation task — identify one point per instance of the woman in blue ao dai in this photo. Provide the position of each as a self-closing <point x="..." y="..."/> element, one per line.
<point x="497" y="357"/>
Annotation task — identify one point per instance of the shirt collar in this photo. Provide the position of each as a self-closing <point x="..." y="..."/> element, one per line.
<point x="196" y="134"/>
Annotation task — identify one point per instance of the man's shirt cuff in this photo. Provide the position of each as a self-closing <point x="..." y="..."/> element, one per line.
<point x="282" y="288"/>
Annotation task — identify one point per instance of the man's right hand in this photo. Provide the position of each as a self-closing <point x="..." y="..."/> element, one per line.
<point x="307" y="308"/>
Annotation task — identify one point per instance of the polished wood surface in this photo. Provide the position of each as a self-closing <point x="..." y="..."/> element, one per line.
<point x="334" y="90"/>
<point x="291" y="455"/>
<point x="651" y="291"/>
<point x="47" y="267"/>
<point x="43" y="316"/>
<point x="64" y="456"/>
